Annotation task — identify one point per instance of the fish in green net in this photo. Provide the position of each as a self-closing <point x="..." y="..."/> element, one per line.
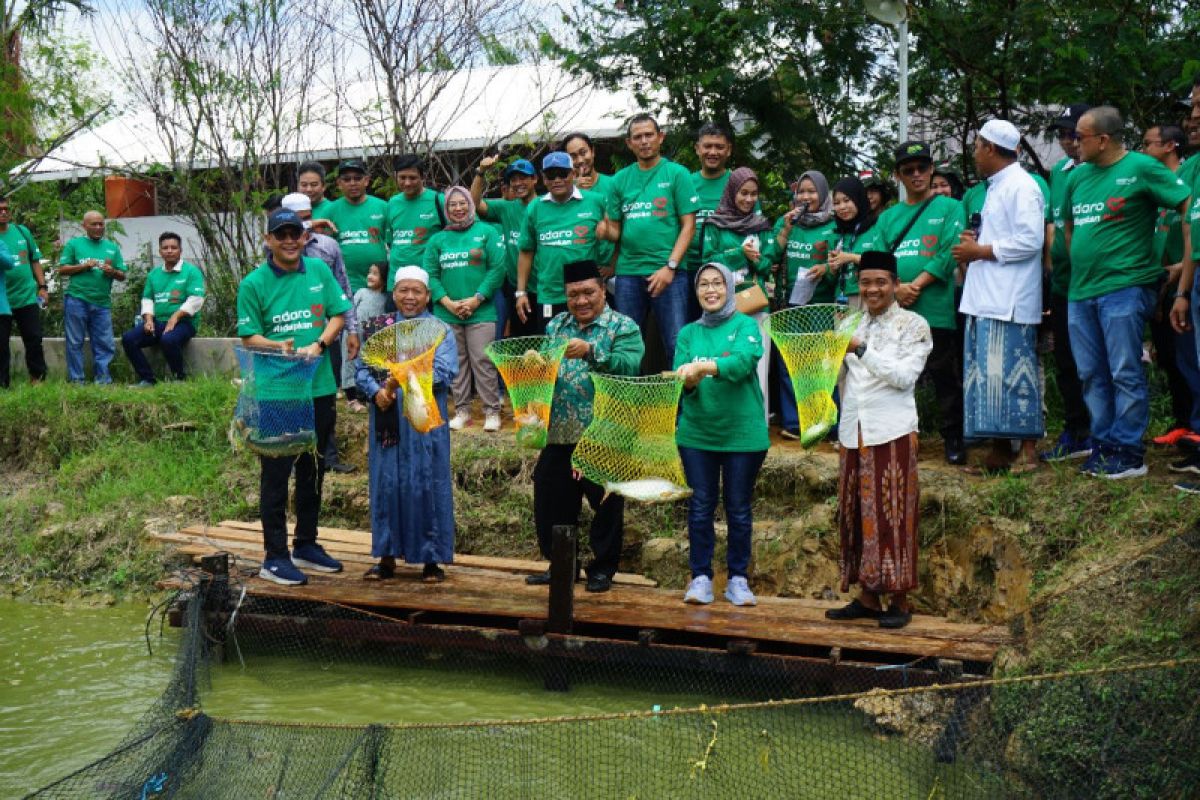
<point x="416" y="409"/>
<point x="648" y="490"/>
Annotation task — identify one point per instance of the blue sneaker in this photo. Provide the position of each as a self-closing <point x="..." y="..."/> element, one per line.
<point x="1066" y="448"/>
<point x="282" y="570"/>
<point x="313" y="556"/>
<point x="1092" y="465"/>
<point x="737" y="591"/>
<point x="1117" y="465"/>
<point x="699" y="591"/>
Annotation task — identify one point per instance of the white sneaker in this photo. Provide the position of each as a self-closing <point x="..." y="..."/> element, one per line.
<point x="461" y="420"/>
<point x="738" y="592"/>
<point x="699" y="591"/>
<point x="491" y="423"/>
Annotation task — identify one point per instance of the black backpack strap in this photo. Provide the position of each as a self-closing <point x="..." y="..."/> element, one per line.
<point x="437" y="205"/>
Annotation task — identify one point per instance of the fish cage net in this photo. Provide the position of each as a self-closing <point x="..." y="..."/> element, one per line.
<point x="404" y="349"/>
<point x="274" y="416"/>
<point x="629" y="446"/>
<point x="722" y="724"/>
<point x="529" y="366"/>
<point x="812" y="340"/>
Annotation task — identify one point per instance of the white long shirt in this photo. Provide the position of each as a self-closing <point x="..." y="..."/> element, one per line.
<point x="878" y="389"/>
<point x="1009" y="288"/>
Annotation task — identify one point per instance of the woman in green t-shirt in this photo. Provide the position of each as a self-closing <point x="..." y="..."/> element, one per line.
<point x="853" y="224"/>
<point x="722" y="433"/>
<point x="738" y="237"/>
<point x="466" y="261"/>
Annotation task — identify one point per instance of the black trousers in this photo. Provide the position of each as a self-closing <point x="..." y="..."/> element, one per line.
<point x="1163" y="336"/>
<point x="310" y="474"/>
<point x="944" y="370"/>
<point x="1076" y="420"/>
<point x="29" y="322"/>
<point x="558" y="499"/>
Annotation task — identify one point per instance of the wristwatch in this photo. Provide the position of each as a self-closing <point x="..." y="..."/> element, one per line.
<point x="321" y="344"/>
<point x="861" y="350"/>
<point x="672" y="264"/>
<point x="1184" y="295"/>
<point x="520" y="293"/>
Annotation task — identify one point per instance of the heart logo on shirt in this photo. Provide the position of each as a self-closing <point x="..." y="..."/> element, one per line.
<point x="581" y="230"/>
<point x="419" y="235"/>
<point x="930" y="242"/>
<point x="373" y="233"/>
<point x="1115" y="204"/>
<point x="821" y="246"/>
<point x="660" y="202"/>
<point x="476" y="256"/>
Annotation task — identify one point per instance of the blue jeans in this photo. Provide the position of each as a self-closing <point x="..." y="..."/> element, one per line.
<point x="1106" y="337"/>
<point x="80" y="318"/>
<point x="633" y="300"/>
<point x="171" y="345"/>
<point x="730" y="477"/>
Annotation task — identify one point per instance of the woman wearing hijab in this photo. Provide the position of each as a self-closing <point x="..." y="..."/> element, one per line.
<point x="738" y="237"/>
<point x="466" y="262"/>
<point x="722" y="437"/>
<point x="411" y="490"/>
<point x="853" y="225"/>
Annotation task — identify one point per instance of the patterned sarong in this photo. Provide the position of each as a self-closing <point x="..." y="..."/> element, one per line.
<point x="1002" y="389"/>
<point x="878" y="514"/>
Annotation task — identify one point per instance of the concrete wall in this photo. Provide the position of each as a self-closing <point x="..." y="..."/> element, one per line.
<point x="203" y="356"/>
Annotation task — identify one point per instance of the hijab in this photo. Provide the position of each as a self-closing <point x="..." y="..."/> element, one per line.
<point x="728" y="217"/>
<point x="711" y="319"/>
<point x="451" y="225"/>
<point x="854" y="189"/>
<point x="824" y="212"/>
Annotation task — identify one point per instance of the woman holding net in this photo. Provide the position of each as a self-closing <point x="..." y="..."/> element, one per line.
<point x="412" y="502"/>
<point x="722" y="433"/>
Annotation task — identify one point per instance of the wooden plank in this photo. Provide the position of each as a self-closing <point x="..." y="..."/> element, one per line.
<point x="336" y="539"/>
<point x="773" y="620"/>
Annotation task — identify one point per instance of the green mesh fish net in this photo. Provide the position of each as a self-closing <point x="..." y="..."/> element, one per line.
<point x="405" y="350"/>
<point x="813" y="342"/>
<point x="529" y="366"/>
<point x="274" y="414"/>
<point x="629" y="446"/>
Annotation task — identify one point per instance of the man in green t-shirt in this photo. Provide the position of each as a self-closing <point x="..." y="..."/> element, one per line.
<point x="310" y="182"/>
<point x="1111" y="207"/>
<point x="1075" y="440"/>
<point x="652" y="217"/>
<point x="920" y="231"/>
<point x="714" y="148"/>
<point x="414" y="215"/>
<point x="25" y="284"/>
<point x="361" y="220"/>
<point x="291" y="303"/>
<point x="583" y="157"/>
<point x="509" y="214"/>
<point x="558" y="229"/>
<point x="92" y="263"/>
<point x="171" y="304"/>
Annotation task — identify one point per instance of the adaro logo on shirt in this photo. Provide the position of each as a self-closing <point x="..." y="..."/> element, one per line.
<point x="318" y="312"/>
<point x="660" y="206"/>
<point x="1115" y="209"/>
<point x="419" y="235"/>
<point x="581" y="234"/>
<point x="475" y="256"/>
<point x="373" y="234"/>
<point x="929" y="246"/>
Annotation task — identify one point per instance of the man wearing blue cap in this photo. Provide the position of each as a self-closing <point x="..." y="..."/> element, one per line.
<point x="509" y="214"/>
<point x="292" y="303"/>
<point x="558" y="229"/>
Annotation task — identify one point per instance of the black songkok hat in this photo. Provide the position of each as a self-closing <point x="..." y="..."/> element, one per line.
<point x="878" y="259"/>
<point x="577" y="271"/>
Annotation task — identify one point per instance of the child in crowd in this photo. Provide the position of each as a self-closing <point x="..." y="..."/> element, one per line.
<point x="369" y="302"/>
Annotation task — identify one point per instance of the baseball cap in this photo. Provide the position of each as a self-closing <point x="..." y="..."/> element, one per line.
<point x="913" y="151"/>
<point x="284" y="218"/>
<point x="1001" y="133"/>
<point x="1070" y="117"/>
<point x="556" y="160"/>
<point x="296" y="202"/>
<point x="353" y="165"/>
<point x="522" y="166"/>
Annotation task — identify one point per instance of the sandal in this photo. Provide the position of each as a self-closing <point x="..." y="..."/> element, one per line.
<point x="855" y="610"/>
<point x="895" y="618"/>
<point x="379" y="572"/>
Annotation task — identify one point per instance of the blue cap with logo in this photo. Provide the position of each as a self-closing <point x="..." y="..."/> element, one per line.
<point x="556" y="160"/>
<point x="284" y="218"/>
<point x="521" y="166"/>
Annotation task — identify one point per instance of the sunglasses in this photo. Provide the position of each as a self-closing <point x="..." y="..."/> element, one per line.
<point x="556" y="174"/>
<point x="288" y="234"/>
<point x="915" y="169"/>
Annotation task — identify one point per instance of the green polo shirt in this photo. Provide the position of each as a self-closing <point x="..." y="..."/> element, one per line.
<point x="19" y="281"/>
<point x="510" y="216"/>
<point x="168" y="290"/>
<point x="412" y="223"/>
<point x="648" y="203"/>
<point x="724" y="412"/>
<point x="708" y="191"/>
<point x="804" y="249"/>
<point x="464" y="263"/>
<point x="925" y="248"/>
<point x="362" y="233"/>
<point x="281" y="305"/>
<point x="725" y="248"/>
<point x="1114" y="211"/>
<point x="1168" y="232"/>
<point x="557" y="234"/>
<point x="91" y="285"/>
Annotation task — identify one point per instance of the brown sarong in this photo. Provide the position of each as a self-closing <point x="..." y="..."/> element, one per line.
<point x="878" y="515"/>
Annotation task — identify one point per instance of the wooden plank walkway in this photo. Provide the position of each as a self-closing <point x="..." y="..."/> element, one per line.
<point x="478" y="586"/>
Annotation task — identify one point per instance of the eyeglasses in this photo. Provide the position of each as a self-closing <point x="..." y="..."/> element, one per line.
<point x="915" y="169"/>
<point x="556" y="174"/>
<point x="718" y="284"/>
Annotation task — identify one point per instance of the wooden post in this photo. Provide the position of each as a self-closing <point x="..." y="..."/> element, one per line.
<point x="563" y="569"/>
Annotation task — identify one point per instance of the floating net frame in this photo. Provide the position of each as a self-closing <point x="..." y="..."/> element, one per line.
<point x="529" y="366"/>
<point x="812" y="340"/>
<point x="405" y="350"/>
<point x="274" y="416"/>
<point x="629" y="446"/>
